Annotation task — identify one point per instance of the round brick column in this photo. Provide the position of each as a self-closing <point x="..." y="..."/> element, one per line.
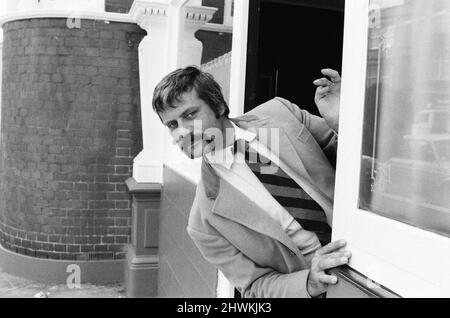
<point x="70" y="130"/>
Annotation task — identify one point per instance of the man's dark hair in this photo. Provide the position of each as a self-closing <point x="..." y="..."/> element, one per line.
<point x="183" y="80"/>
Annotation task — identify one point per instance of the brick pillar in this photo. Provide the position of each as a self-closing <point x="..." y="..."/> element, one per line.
<point x="70" y="130"/>
<point x="141" y="273"/>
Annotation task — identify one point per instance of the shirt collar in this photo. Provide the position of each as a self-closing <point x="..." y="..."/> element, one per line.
<point x="225" y="156"/>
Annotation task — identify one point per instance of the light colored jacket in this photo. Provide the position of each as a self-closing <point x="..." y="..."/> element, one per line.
<point x="233" y="233"/>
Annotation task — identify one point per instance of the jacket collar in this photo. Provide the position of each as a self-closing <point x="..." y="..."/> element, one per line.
<point x="225" y="156"/>
<point x="253" y="124"/>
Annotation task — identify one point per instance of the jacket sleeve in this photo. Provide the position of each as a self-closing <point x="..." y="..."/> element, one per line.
<point x="251" y="280"/>
<point x="318" y="127"/>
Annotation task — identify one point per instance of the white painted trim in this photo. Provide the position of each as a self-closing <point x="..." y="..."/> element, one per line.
<point x="29" y="5"/>
<point x="215" y="27"/>
<point x="143" y="172"/>
<point x="152" y="17"/>
<point x="224" y="288"/>
<point x="191" y="169"/>
<point x="410" y="261"/>
<point x="170" y="44"/>
<point x="237" y="96"/>
<point x="176" y="24"/>
<point x="227" y="17"/>
<point x="179" y="3"/>
<point x="239" y="58"/>
<point x="36" y="14"/>
<point x="184" y="20"/>
<point x="184" y="50"/>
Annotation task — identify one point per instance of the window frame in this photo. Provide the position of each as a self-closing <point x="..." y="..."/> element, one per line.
<point x="228" y="12"/>
<point x="410" y="261"/>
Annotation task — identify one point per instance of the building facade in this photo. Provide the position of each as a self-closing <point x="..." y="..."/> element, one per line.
<point x="89" y="175"/>
<point x="71" y="128"/>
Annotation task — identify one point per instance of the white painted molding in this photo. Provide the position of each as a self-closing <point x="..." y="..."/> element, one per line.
<point x="152" y="16"/>
<point x="191" y="51"/>
<point x="219" y="28"/>
<point x="199" y="14"/>
<point x="144" y="171"/>
<point x="31" y="5"/>
<point x="36" y="14"/>
<point x="191" y="2"/>
<point x="175" y="32"/>
<point x="149" y="13"/>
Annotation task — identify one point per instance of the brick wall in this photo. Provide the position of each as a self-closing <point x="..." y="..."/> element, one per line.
<point x="119" y="6"/>
<point x="70" y="130"/>
<point x="183" y="272"/>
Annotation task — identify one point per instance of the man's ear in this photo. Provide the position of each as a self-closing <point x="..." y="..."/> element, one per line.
<point x="220" y="111"/>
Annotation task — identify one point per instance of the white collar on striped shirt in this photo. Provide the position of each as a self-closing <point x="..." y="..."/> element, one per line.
<point x="225" y="156"/>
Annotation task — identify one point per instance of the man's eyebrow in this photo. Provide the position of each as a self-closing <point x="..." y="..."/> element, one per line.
<point x="190" y="109"/>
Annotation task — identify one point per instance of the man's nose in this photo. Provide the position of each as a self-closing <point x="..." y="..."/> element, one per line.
<point x="180" y="133"/>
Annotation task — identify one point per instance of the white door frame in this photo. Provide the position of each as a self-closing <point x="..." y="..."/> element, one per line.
<point x="409" y="261"/>
<point x="237" y="94"/>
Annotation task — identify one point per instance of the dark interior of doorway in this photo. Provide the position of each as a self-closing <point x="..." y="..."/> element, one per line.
<point x="289" y="42"/>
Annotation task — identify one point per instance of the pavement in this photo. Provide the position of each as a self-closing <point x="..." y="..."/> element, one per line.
<point x="17" y="287"/>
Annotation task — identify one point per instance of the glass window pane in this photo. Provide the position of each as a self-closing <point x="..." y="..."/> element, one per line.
<point x="405" y="166"/>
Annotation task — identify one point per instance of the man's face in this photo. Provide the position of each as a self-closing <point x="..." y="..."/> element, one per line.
<point x="189" y="124"/>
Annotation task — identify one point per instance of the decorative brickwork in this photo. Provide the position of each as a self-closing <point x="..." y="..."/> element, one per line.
<point x="70" y="130"/>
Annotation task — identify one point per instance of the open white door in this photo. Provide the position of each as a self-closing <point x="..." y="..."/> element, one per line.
<point x="393" y="174"/>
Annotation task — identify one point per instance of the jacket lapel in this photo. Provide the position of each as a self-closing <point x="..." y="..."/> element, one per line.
<point x="288" y="155"/>
<point x="234" y="205"/>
